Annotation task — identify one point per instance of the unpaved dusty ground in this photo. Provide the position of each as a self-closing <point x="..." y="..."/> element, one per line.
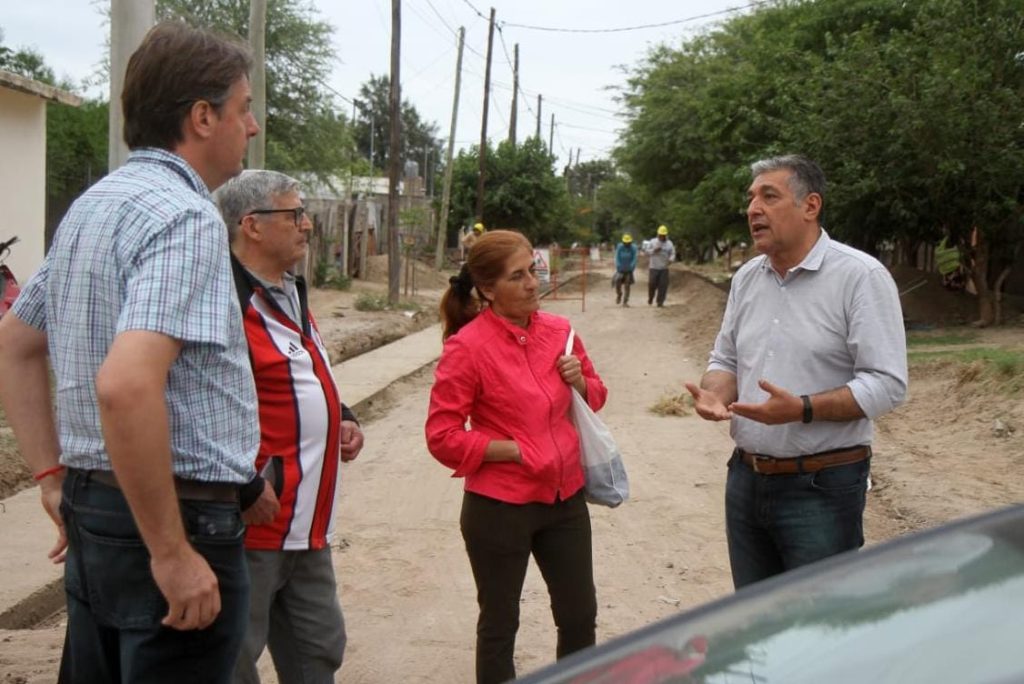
<point x="404" y="580"/>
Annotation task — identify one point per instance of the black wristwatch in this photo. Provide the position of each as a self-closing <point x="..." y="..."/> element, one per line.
<point x="808" y="409"/>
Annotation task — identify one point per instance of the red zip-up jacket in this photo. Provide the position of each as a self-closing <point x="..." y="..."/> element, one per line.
<point x="504" y="380"/>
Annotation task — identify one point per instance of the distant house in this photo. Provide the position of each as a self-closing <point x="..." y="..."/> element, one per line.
<point x="23" y="166"/>
<point x="350" y="220"/>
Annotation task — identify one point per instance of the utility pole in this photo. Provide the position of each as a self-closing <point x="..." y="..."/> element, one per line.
<point x="426" y="171"/>
<point x="515" y="97"/>
<point x="258" y="45"/>
<point x="394" y="151"/>
<point x="129" y="22"/>
<point x="372" y="136"/>
<point x="446" y="196"/>
<point x="551" y="136"/>
<point x="481" y="176"/>
<point x="540" y="99"/>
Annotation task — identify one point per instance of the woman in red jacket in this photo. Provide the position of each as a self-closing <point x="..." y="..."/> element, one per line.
<point x="499" y="417"/>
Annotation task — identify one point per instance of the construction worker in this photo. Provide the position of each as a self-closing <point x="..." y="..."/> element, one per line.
<point x="625" y="263"/>
<point x="471" y="237"/>
<point x="662" y="252"/>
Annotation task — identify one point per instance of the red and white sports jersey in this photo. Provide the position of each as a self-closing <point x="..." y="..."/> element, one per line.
<point x="300" y="419"/>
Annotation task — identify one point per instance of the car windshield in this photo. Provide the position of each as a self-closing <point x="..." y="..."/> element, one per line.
<point x="940" y="607"/>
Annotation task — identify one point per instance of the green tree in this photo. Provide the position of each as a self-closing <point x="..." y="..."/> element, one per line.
<point x="305" y="132"/>
<point x="373" y="121"/>
<point x="521" y="191"/>
<point x="76" y="153"/>
<point x="76" y="137"/>
<point x="913" y="109"/>
<point x="25" y="62"/>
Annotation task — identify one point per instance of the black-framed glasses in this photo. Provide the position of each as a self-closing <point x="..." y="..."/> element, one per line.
<point x="297" y="213"/>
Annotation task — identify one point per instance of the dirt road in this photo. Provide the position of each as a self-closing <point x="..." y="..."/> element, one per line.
<point x="406" y="585"/>
<point x="404" y="580"/>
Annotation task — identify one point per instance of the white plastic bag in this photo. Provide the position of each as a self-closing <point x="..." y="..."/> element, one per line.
<point x="605" y="475"/>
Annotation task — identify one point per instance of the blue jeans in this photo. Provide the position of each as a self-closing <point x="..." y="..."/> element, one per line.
<point x="776" y="523"/>
<point x="114" y="606"/>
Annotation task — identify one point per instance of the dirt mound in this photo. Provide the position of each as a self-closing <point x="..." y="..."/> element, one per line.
<point x="926" y="302"/>
<point x="958" y="435"/>
<point x="703" y="308"/>
<point x="427" y="277"/>
<point x="14" y="474"/>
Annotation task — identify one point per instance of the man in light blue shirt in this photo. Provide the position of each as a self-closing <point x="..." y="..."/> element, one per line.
<point x="812" y="348"/>
<point x="136" y="309"/>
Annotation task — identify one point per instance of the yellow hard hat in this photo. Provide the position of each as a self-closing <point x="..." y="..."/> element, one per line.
<point x="627" y="238"/>
<point x="662" y="230"/>
<point x="478" y="227"/>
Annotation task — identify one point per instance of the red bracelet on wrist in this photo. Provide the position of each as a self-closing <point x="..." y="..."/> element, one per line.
<point x="46" y="473"/>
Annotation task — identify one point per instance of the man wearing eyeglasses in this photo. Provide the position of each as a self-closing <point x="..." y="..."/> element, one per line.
<point x="305" y="428"/>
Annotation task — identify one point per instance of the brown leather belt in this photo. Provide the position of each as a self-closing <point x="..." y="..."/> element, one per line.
<point x="188" y="490"/>
<point x="812" y="463"/>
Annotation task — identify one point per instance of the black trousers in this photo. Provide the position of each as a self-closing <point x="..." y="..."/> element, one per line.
<point x="657" y="282"/>
<point x="500" y="538"/>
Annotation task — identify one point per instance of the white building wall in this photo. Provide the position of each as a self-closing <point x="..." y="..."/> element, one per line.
<point x="23" y="178"/>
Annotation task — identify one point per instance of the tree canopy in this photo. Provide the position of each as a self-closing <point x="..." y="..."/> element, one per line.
<point x="913" y="110"/>
<point x="419" y="137"/>
<point x="521" y="191"/>
<point x="305" y="130"/>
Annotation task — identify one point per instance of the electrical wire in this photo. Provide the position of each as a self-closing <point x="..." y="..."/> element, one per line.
<point x="639" y="27"/>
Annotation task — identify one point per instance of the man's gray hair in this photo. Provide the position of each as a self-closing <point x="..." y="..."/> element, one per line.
<point x="251" y="190"/>
<point x="807" y="176"/>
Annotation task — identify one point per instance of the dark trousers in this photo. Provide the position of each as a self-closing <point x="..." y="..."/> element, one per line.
<point x="623" y="280"/>
<point x="776" y="523"/>
<point x="114" y="606"/>
<point x="500" y="538"/>
<point x="657" y="283"/>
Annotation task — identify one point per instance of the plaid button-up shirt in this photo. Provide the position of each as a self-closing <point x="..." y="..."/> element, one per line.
<point x="146" y="249"/>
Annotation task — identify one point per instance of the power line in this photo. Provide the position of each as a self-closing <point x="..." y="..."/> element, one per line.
<point x="504" y="48"/>
<point x="431" y="4"/>
<point x="432" y="26"/>
<point x="448" y="26"/>
<point x="587" y="128"/>
<point x="640" y="27"/>
<point x="478" y="12"/>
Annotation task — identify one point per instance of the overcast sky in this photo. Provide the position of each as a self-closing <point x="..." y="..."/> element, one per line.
<point x="571" y="69"/>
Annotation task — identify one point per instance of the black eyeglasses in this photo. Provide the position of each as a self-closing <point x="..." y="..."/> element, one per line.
<point x="297" y="213"/>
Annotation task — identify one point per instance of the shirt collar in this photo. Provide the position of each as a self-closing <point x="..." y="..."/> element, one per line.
<point x="287" y="282"/>
<point x="155" y="155"/>
<point x="811" y="262"/>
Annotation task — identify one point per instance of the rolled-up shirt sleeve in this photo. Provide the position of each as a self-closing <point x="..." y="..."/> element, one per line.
<point x="723" y="354"/>
<point x="878" y="345"/>
<point x="30" y="306"/>
<point x="456" y="384"/>
<point x="180" y="282"/>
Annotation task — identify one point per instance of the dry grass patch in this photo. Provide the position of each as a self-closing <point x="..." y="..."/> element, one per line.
<point x="673" y="405"/>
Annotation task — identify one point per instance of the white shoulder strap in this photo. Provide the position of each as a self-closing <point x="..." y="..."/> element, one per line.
<point x="568" y="343"/>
